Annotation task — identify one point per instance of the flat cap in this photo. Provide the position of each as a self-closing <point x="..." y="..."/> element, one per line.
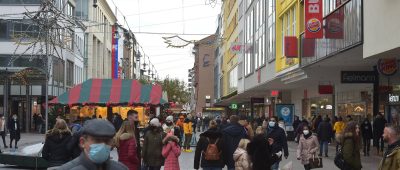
<point x="98" y="128"/>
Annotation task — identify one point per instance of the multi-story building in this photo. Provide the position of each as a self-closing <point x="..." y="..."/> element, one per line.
<point x="99" y="20"/>
<point x="203" y="70"/>
<point x="27" y="62"/>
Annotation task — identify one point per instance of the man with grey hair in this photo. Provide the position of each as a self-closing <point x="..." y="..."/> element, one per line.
<point x="391" y="158"/>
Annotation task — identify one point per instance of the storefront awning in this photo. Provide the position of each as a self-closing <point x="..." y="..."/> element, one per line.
<point x="111" y="92"/>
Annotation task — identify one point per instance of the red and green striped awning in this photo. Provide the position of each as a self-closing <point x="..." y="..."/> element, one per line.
<point x="111" y="91"/>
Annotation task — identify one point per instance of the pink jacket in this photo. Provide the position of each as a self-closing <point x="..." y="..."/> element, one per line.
<point x="171" y="152"/>
<point x="307" y="148"/>
<point x="242" y="160"/>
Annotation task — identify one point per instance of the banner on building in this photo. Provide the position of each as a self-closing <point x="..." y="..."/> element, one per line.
<point x="286" y="112"/>
<point x="335" y="24"/>
<point x="114" y="53"/>
<point x="290" y="46"/>
<point x="313" y="19"/>
<point x="308" y="46"/>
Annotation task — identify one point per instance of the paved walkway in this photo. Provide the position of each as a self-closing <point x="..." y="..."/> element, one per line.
<point x="186" y="159"/>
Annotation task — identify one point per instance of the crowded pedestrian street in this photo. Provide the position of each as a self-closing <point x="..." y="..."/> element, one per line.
<point x="199" y="84"/>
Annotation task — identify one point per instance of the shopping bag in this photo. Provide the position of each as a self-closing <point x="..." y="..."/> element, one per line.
<point x="315" y="162"/>
<point x="288" y="166"/>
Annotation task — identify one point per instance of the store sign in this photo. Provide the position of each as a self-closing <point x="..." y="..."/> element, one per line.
<point x="313" y="19"/>
<point x="286" y="112"/>
<point x="257" y="100"/>
<point x="308" y="46"/>
<point x="387" y="67"/>
<point x="335" y="24"/>
<point x="358" y="77"/>
<point x="290" y="46"/>
<point x="274" y="93"/>
<point x="325" y="89"/>
<point x="234" y="106"/>
<point x="394" y="98"/>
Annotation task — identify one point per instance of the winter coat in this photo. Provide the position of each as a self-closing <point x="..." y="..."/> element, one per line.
<point x="280" y="141"/>
<point x="54" y="150"/>
<point x="307" y="148"/>
<point x="152" y="148"/>
<point x="232" y="135"/>
<point x="117" y="122"/>
<point x="379" y="126"/>
<point x="260" y="153"/>
<point x="296" y="124"/>
<point x="14" y="130"/>
<point x="187" y="128"/>
<point x="366" y="130"/>
<point x="171" y="152"/>
<point x="324" y="131"/>
<point x="242" y="160"/>
<point x="127" y="151"/>
<point x="351" y="152"/>
<point x="84" y="163"/>
<point x="2" y="124"/>
<point x="74" y="144"/>
<point x="391" y="159"/>
<point x="209" y="136"/>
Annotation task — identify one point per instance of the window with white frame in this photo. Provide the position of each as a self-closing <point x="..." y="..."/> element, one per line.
<point x="233" y="79"/>
<point x="294" y="21"/>
<point x="271" y="31"/>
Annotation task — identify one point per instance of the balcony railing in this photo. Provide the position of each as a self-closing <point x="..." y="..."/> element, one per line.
<point x="342" y="30"/>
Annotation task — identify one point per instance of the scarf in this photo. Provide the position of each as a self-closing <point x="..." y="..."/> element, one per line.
<point x="307" y="136"/>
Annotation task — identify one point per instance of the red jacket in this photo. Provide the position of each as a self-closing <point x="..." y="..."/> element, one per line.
<point x="171" y="152"/>
<point x="127" y="151"/>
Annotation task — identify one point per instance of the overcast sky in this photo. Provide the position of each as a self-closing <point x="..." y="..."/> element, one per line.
<point x="166" y="16"/>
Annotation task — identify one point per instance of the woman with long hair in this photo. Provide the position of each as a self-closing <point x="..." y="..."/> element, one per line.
<point x="54" y="150"/>
<point x="125" y="142"/>
<point x="308" y="147"/>
<point x="351" y="145"/>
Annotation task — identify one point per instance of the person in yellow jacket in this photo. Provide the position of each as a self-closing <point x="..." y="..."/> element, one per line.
<point x="338" y="128"/>
<point x="188" y="131"/>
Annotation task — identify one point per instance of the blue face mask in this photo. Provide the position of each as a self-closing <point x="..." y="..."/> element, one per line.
<point x="99" y="152"/>
<point x="271" y="124"/>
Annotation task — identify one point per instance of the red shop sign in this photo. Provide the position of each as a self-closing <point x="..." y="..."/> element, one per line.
<point x="313" y="19"/>
<point x="290" y="46"/>
<point x="325" y="89"/>
<point x="388" y="66"/>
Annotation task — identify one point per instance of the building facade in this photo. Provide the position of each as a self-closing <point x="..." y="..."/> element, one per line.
<point x="204" y="53"/>
<point x="28" y="63"/>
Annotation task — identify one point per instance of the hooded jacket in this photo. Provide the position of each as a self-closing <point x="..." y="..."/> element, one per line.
<point x="209" y="136"/>
<point x="366" y="129"/>
<point x="351" y="151"/>
<point x="54" y="149"/>
<point x="232" y="135"/>
<point x="391" y="159"/>
<point x="242" y="160"/>
<point x="127" y="151"/>
<point x="171" y="152"/>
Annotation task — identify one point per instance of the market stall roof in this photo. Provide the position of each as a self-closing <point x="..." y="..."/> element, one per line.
<point x="111" y="92"/>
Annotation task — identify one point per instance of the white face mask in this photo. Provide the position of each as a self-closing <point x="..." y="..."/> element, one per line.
<point x="306" y="132"/>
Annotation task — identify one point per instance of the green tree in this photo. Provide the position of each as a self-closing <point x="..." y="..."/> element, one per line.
<point x="176" y="90"/>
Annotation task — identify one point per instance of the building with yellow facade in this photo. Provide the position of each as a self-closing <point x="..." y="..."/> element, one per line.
<point x="289" y="22"/>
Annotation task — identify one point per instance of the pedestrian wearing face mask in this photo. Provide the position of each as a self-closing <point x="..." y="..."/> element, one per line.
<point x="307" y="148"/>
<point x="280" y="142"/>
<point x="366" y="131"/>
<point x="152" y="146"/>
<point x="14" y="128"/>
<point x="96" y="140"/>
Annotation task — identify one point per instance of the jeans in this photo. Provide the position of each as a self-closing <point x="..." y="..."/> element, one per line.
<point x="275" y="166"/>
<point x="324" y="146"/>
<point x="379" y="140"/>
<point x="366" y="143"/>
<point x="231" y="168"/>
<point x="3" y="136"/>
<point x="188" y="138"/>
<point x="154" y="168"/>
<point x="39" y="128"/>
<point x="307" y="167"/>
<point x="213" y="168"/>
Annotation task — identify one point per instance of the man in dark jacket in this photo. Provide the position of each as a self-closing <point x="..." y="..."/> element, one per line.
<point x="296" y="122"/>
<point x="280" y="142"/>
<point x="378" y="127"/>
<point x="366" y="131"/>
<point x="209" y="137"/>
<point x="231" y="136"/>
<point x="325" y="134"/>
<point x="96" y="140"/>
